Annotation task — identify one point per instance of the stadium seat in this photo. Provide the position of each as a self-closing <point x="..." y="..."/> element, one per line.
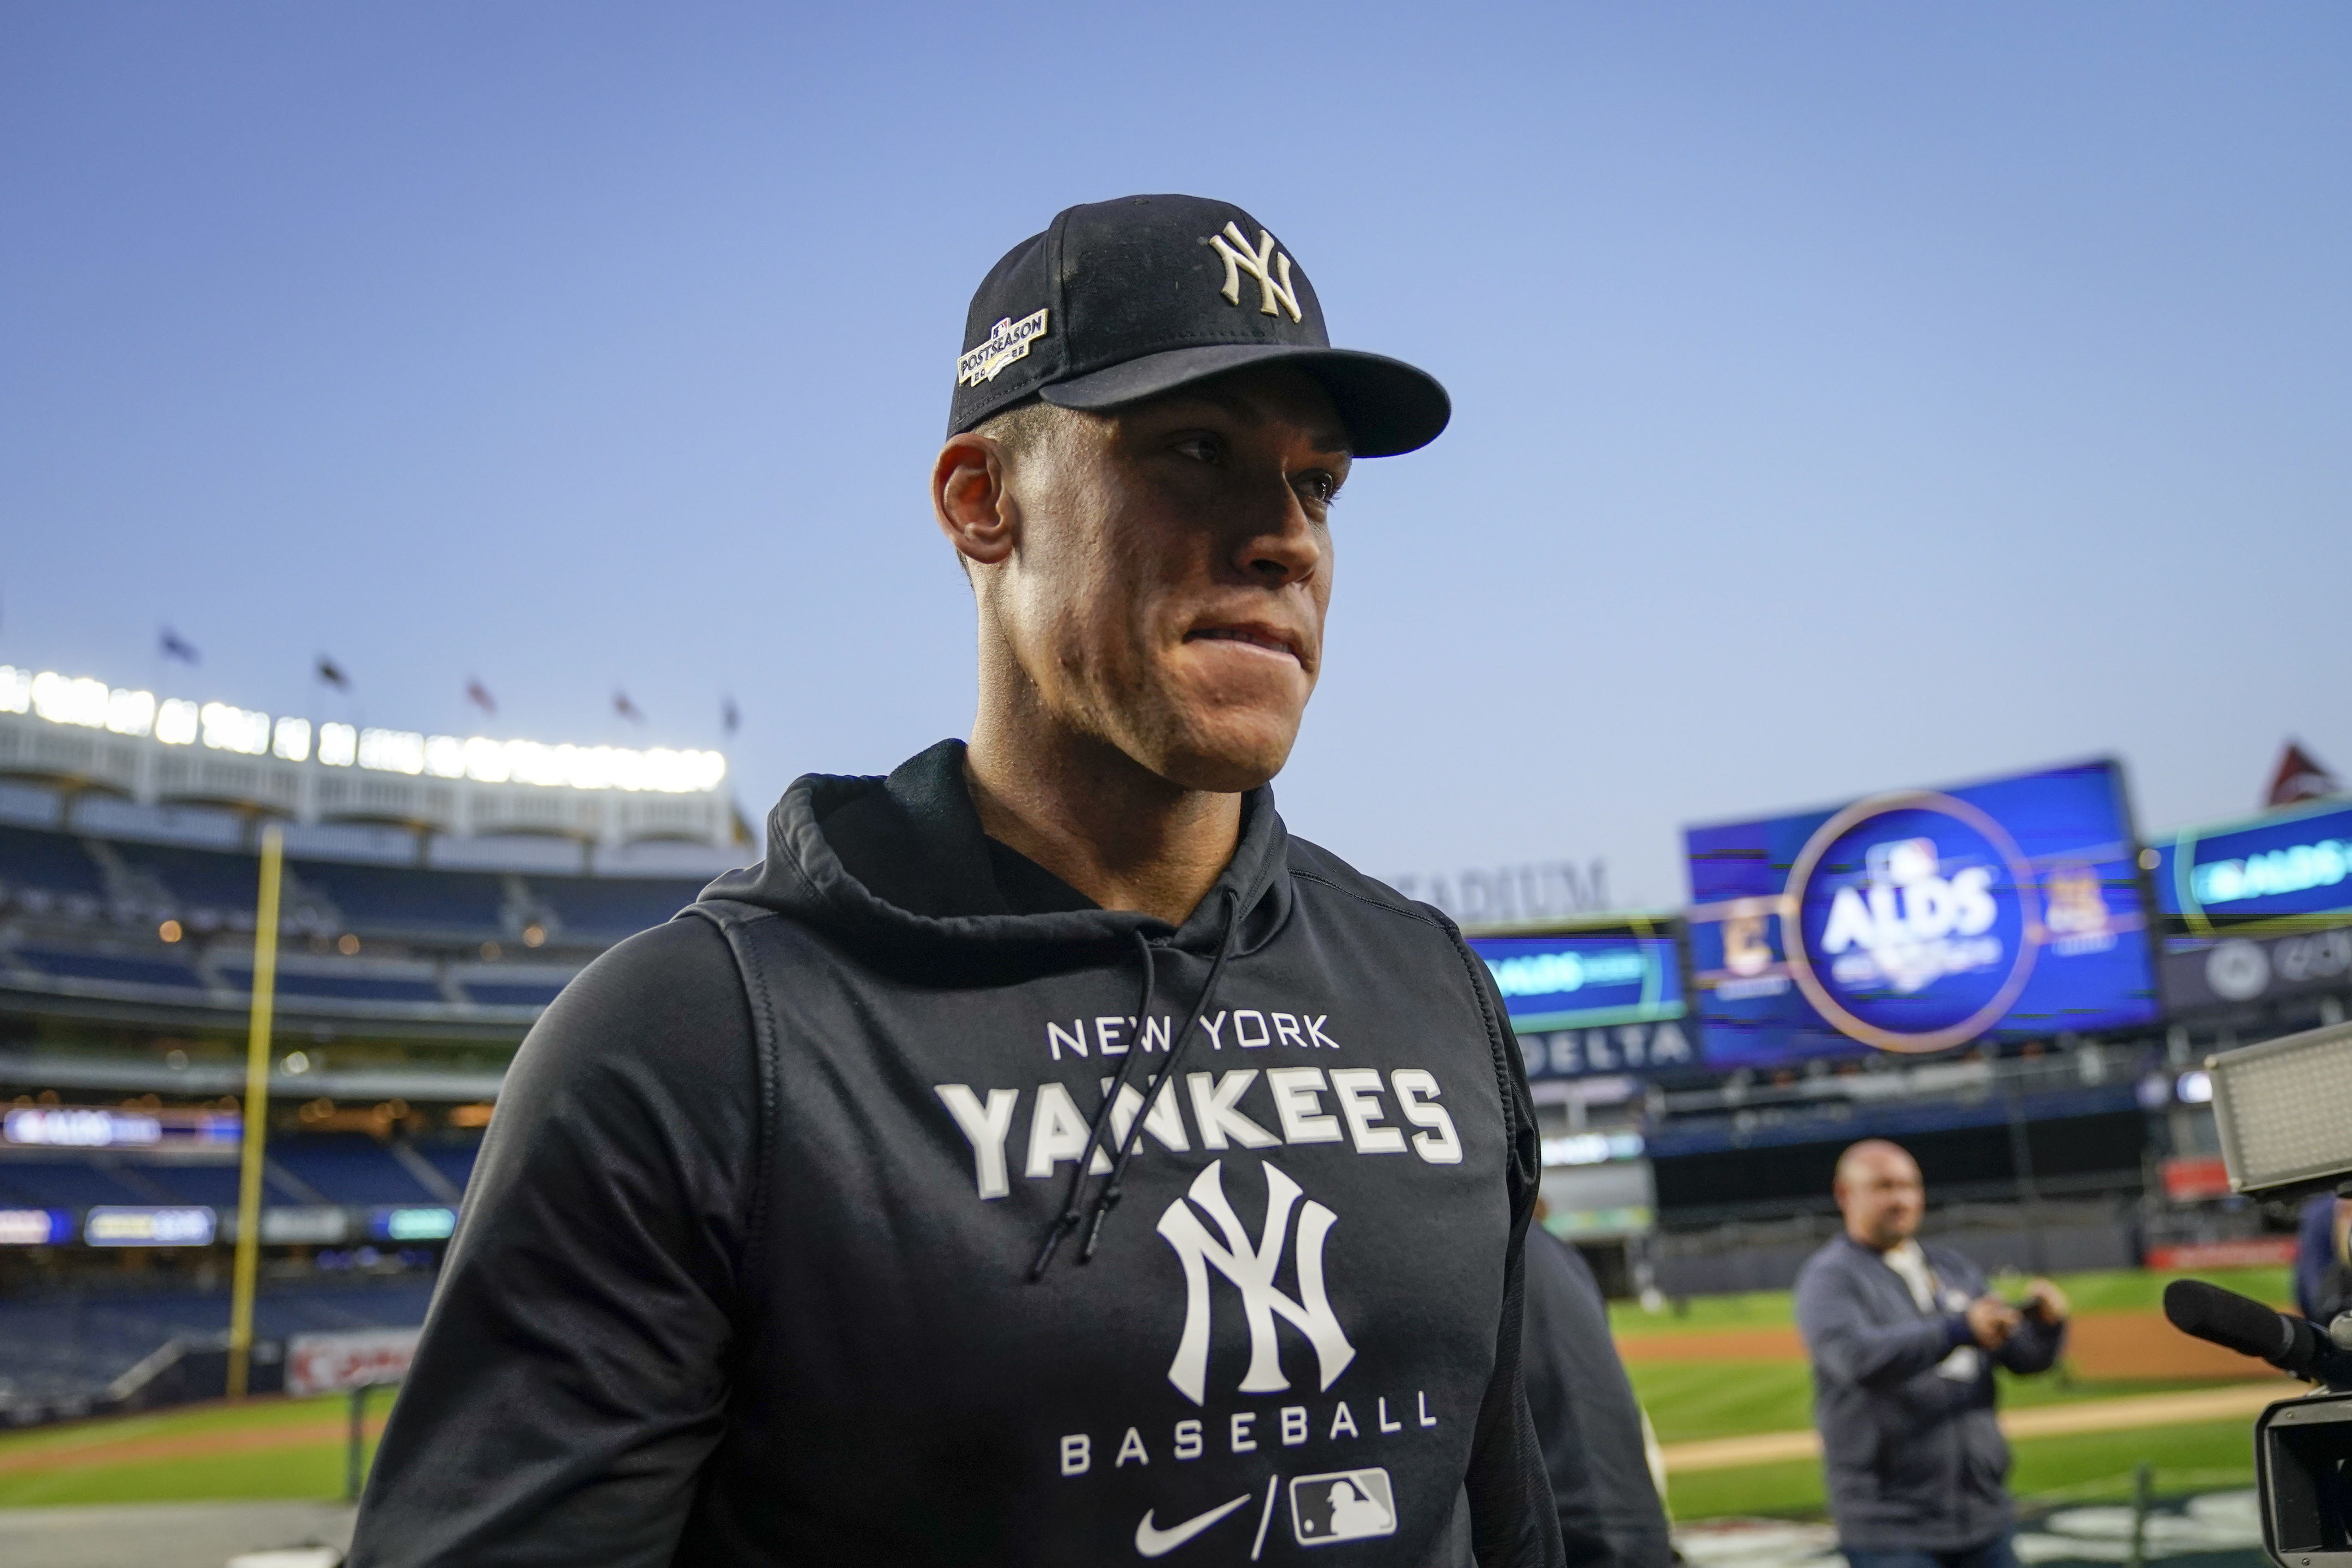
<point x="395" y="900"/>
<point x="513" y="992"/>
<point x="53" y="863"/>
<point x="606" y="909"/>
<point x="358" y="985"/>
<point x="64" y="1184"/>
<point x="108" y="967"/>
<point x="215" y="879"/>
<point x="349" y="1168"/>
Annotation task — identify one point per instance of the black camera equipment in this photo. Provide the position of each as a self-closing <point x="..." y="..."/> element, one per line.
<point x="2283" y="1110"/>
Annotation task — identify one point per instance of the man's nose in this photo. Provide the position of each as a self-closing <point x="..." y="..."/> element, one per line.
<point x="1283" y="548"/>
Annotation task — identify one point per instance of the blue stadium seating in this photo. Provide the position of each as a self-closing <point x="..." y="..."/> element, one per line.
<point x="66" y="1182"/>
<point x="349" y="1168"/>
<point x="390" y="897"/>
<point x="358" y="985"/>
<point x="455" y="1162"/>
<point x="52" y="862"/>
<point x="432" y="913"/>
<point x="604" y="908"/>
<point x="106" y="966"/>
<point x="198" y="878"/>
<point x="215" y="1186"/>
<point x="512" y="992"/>
<point x="54" y="1346"/>
<point x="338" y="1167"/>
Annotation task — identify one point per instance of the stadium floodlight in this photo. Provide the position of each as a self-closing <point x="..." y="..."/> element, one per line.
<point x="486" y="760"/>
<point x="240" y="729"/>
<point x="392" y="750"/>
<point x="2284" y="1110"/>
<point x="176" y="723"/>
<point x="63" y="700"/>
<point x="131" y="713"/>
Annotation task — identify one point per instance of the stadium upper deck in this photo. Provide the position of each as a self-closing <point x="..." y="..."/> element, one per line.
<point x="112" y="930"/>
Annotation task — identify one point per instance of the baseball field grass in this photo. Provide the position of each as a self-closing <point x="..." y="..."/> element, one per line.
<point x="1724" y="1367"/>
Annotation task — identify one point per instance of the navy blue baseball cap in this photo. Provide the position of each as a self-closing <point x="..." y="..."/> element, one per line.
<point x="1121" y="300"/>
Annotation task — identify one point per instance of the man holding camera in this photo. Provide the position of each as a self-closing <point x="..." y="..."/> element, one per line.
<point x="1903" y="1339"/>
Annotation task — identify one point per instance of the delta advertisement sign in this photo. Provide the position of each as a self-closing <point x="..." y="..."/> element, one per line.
<point x="1921" y="921"/>
<point x="1591" y="1002"/>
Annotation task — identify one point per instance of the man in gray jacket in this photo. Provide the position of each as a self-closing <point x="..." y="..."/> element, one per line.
<point x="1903" y="1338"/>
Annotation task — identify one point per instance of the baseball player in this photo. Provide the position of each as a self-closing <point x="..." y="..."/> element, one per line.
<point x="1041" y="1156"/>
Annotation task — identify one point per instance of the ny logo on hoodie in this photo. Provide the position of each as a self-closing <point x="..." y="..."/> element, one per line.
<point x="1251" y="1267"/>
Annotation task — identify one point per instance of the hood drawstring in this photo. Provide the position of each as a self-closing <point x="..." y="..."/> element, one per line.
<point x="1073" y="1211"/>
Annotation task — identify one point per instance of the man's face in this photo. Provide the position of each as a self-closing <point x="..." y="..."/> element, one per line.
<point x="1171" y="571"/>
<point x="1879" y="1192"/>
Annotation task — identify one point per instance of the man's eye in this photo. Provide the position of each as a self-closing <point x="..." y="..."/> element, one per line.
<point x="1319" y="487"/>
<point x="1202" y="449"/>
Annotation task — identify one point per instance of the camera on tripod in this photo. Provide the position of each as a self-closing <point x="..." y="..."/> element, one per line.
<point x="2284" y="1110"/>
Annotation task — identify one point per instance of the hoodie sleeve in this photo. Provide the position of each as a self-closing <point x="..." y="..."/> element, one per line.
<point x="1587" y="1417"/>
<point x="1849" y="1345"/>
<point x="1512" y="1517"/>
<point x="573" y="1374"/>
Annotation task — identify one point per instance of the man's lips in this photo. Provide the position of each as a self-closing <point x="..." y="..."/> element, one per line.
<point x="1256" y="635"/>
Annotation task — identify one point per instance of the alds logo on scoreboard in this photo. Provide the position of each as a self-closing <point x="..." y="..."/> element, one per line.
<point x="1914" y="921"/>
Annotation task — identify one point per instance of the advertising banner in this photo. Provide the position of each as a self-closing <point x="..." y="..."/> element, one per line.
<point x="358" y="1358"/>
<point x="35" y="1227"/>
<point x="1921" y="921"/>
<point x="1582" y="981"/>
<point x="2204" y="971"/>
<point x="140" y="1224"/>
<point x="101" y="1127"/>
<point x="1593" y="1001"/>
<point x="2291" y="870"/>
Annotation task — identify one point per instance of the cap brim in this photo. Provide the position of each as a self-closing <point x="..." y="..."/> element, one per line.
<point x="1388" y="406"/>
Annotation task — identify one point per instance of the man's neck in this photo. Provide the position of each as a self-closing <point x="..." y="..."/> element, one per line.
<point x="1882" y="1247"/>
<point x="1100" y="821"/>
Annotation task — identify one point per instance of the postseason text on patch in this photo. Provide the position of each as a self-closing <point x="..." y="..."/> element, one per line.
<point x="1006" y="342"/>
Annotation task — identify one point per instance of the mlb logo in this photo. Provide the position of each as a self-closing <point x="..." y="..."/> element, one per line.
<point x="1904" y="862"/>
<point x="1345" y="1505"/>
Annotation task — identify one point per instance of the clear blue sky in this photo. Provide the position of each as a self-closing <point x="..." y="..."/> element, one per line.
<point x="1847" y="395"/>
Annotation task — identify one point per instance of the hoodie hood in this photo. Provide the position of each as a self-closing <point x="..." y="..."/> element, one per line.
<point x="898" y="870"/>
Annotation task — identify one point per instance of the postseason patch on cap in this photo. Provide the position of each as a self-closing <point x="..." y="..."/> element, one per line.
<point x="1007" y="341"/>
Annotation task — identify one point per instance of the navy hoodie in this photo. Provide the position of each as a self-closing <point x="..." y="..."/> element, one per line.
<point x="779" y="1249"/>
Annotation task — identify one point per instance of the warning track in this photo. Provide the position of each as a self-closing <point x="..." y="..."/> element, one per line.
<point x="91" y="1450"/>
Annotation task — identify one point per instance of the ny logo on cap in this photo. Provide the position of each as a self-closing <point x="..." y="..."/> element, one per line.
<point x="1273" y="280"/>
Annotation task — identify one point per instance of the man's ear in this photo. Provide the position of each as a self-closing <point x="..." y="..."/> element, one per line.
<point x="970" y="497"/>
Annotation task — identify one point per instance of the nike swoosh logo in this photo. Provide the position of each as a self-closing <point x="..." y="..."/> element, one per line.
<point x="1156" y="1543"/>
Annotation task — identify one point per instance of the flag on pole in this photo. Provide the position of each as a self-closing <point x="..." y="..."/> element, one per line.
<point x="480" y="696"/>
<point x="175" y="645"/>
<point x="331" y="674"/>
<point x="626" y="709"/>
<point x="730" y="719"/>
<point x="2300" y="776"/>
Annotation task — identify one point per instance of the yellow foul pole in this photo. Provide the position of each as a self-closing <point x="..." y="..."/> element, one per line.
<point x="256" y="1120"/>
